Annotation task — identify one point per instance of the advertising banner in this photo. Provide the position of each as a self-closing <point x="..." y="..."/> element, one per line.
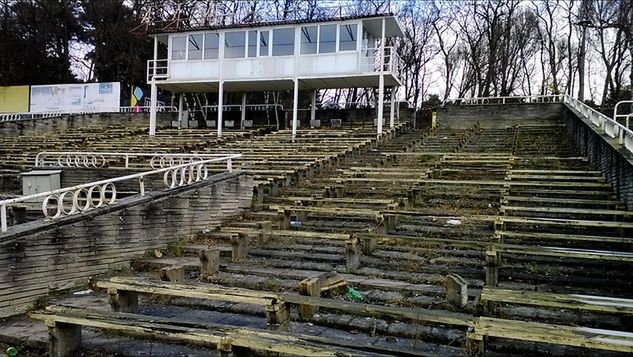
<point x="14" y="99"/>
<point x="76" y="98"/>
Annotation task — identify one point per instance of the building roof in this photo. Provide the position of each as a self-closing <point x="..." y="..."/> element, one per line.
<point x="392" y="28"/>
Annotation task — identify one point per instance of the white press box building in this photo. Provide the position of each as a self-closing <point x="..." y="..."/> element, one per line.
<point x="343" y="52"/>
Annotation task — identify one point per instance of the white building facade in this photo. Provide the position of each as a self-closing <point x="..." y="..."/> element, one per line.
<point x="350" y="52"/>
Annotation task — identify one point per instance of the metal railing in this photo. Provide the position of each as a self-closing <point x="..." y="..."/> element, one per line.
<point x="608" y="126"/>
<point x="158" y="69"/>
<point x="96" y="159"/>
<point x="370" y="60"/>
<point x="82" y="198"/>
<point x="554" y="98"/>
<point x="626" y="116"/>
<point x="10" y="117"/>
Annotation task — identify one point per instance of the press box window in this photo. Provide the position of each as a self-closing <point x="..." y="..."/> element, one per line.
<point x="309" y="40"/>
<point x="178" y="48"/>
<point x="347" y="38"/>
<point x="263" y="43"/>
<point x="252" y="43"/>
<point x="327" y="39"/>
<point x="211" y="45"/>
<point x="283" y="42"/>
<point x="234" y="44"/>
<point x="195" y="47"/>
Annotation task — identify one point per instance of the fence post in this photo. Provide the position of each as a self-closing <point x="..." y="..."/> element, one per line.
<point x="3" y="217"/>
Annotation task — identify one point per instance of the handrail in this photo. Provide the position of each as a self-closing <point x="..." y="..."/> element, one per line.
<point x="214" y="107"/>
<point x="615" y="111"/>
<point x="552" y="98"/>
<point x="369" y="60"/>
<point x="607" y="125"/>
<point x="78" y="199"/>
<point x="98" y="159"/>
<point x="10" y="117"/>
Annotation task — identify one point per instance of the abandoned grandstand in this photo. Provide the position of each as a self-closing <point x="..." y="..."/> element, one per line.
<point x="504" y="229"/>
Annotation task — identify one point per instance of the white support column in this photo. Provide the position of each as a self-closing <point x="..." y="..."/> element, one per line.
<point x="153" y="93"/>
<point x="243" y="111"/>
<point x="181" y="104"/>
<point x="313" y="106"/>
<point x="393" y="107"/>
<point x="295" y="108"/>
<point x="220" y="107"/>
<point x="381" y="78"/>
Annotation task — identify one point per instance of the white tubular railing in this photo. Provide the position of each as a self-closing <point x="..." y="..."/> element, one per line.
<point x="227" y="107"/>
<point x="370" y="60"/>
<point x="625" y="116"/>
<point x="7" y="117"/>
<point x="81" y="198"/>
<point x="87" y="159"/>
<point x="554" y="98"/>
<point x="607" y="125"/>
<point x="158" y="69"/>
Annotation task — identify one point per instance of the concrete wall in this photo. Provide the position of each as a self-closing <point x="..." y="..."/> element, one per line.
<point x="498" y="115"/>
<point x="39" y="257"/>
<point x="35" y="126"/>
<point x="615" y="162"/>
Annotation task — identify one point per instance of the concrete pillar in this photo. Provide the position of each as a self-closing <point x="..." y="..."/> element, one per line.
<point x="210" y="259"/>
<point x="393" y="107"/>
<point x="295" y="108"/>
<point x="239" y="245"/>
<point x="381" y="78"/>
<point x="313" y="106"/>
<point x="456" y="290"/>
<point x="153" y="92"/>
<point x="174" y="274"/>
<point x="368" y="245"/>
<point x="243" y="111"/>
<point x="181" y="104"/>
<point x="63" y="339"/>
<point x="352" y="255"/>
<point x="220" y="107"/>
<point x="123" y="301"/>
<point x="309" y="287"/>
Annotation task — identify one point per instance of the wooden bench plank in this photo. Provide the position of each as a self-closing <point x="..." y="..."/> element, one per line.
<point x="555" y="334"/>
<point x="575" y="302"/>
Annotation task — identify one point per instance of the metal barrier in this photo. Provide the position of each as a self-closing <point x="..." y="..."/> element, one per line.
<point x="10" y="117"/>
<point x="626" y="116"/>
<point x="607" y="125"/>
<point x="88" y="159"/>
<point x="82" y="198"/>
<point x="554" y="98"/>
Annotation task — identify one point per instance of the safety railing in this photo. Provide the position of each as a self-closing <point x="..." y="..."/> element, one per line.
<point x="554" y="98"/>
<point x="608" y="126"/>
<point x="370" y="60"/>
<point x="89" y="159"/>
<point x="11" y="117"/>
<point x="157" y="69"/>
<point x="627" y="116"/>
<point x="82" y="198"/>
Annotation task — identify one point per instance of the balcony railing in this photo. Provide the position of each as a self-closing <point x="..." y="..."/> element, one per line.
<point x="158" y="69"/>
<point x="370" y="61"/>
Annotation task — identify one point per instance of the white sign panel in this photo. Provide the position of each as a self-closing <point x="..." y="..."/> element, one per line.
<point x="76" y="98"/>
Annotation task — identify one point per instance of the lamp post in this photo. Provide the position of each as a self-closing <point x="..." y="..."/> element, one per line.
<point x="581" y="59"/>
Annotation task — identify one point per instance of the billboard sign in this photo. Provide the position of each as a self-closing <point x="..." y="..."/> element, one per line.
<point x="76" y="98"/>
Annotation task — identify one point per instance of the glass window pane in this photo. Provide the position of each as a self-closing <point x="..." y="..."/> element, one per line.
<point x="263" y="43"/>
<point x="283" y="42"/>
<point x="195" y="47"/>
<point x="347" y="38"/>
<point x="211" y="45"/>
<point x="178" y="48"/>
<point x="252" y="43"/>
<point x="327" y="39"/>
<point x="309" y="39"/>
<point x="234" y="44"/>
